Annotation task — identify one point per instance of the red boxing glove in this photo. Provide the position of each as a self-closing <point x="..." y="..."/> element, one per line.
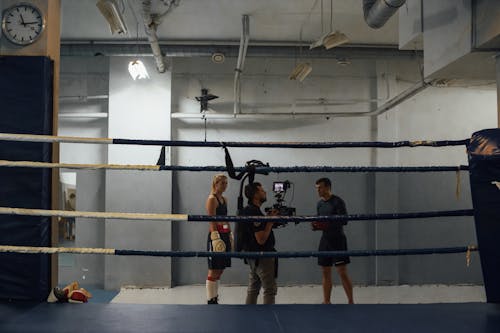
<point x="319" y="225"/>
<point x="78" y="296"/>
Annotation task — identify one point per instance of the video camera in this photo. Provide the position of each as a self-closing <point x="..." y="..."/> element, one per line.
<point x="279" y="189"/>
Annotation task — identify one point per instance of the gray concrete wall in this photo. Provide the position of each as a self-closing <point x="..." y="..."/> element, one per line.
<point x="426" y="116"/>
<point x="137" y="192"/>
<point x="435" y="114"/>
<point x="87" y="269"/>
<point x="137" y="109"/>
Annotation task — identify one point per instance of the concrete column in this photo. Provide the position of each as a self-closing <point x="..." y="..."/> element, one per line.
<point x="386" y="195"/>
<point x="138" y="110"/>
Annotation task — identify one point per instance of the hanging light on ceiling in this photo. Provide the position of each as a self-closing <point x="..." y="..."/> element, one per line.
<point x="332" y="38"/>
<point x="136" y="67"/>
<point x="137" y="70"/>
<point x="301" y="71"/>
<point x="109" y="9"/>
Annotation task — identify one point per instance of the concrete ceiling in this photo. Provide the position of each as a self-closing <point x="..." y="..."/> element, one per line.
<point x="220" y="20"/>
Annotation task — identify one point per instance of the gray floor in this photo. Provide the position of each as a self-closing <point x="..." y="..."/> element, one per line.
<point x="308" y="294"/>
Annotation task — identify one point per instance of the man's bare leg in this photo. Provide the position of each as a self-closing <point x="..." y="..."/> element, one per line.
<point x="346" y="282"/>
<point x="327" y="283"/>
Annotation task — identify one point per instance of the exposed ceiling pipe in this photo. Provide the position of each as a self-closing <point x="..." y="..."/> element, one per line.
<point x="151" y="23"/>
<point x="245" y="37"/>
<point x="393" y="102"/>
<point x="79" y="48"/>
<point x="378" y="12"/>
<point x="400" y="98"/>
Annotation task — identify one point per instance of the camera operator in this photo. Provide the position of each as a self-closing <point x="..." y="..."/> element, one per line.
<point x="260" y="236"/>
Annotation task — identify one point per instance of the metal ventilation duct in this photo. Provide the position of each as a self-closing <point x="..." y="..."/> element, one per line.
<point x="378" y="12"/>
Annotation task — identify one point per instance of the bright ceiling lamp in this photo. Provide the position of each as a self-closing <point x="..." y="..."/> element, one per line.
<point x="332" y="38"/>
<point x="301" y="71"/>
<point x="137" y="70"/>
<point x="109" y="9"/>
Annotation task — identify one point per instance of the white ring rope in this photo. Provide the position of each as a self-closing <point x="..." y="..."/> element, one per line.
<point x="52" y="138"/>
<point x="105" y="215"/>
<point x="51" y="250"/>
<point x="29" y="164"/>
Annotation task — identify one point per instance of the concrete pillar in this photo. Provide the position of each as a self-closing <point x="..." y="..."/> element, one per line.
<point x="386" y="194"/>
<point x="138" y="110"/>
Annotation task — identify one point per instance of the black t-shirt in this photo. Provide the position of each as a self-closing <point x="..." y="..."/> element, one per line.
<point x="253" y="227"/>
<point x="333" y="206"/>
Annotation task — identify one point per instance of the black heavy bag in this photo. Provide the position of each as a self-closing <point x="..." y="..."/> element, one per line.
<point x="484" y="164"/>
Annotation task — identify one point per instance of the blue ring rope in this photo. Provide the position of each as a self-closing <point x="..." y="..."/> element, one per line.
<point x="264" y="170"/>
<point x="297" y="254"/>
<point x="331" y="218"/>
<point x="363" y="144"/>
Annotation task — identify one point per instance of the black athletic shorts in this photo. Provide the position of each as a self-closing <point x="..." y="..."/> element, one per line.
<point x="219" y="262"/>
<point x="337" y="243"/>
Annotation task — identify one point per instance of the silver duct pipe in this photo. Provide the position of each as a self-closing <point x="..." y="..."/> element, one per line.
<point x="151" y="23"/>
<point x="245" y="37"/>
<point x="378" y="12"/>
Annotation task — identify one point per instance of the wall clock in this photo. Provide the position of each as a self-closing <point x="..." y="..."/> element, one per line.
<point x="23" y="23"/>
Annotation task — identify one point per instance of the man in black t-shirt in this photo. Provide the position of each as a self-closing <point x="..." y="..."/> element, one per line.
<point x="332" y="239"/>
<point x="263" y="271"/>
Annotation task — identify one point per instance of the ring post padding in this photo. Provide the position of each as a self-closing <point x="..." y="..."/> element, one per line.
<point x="484" y="162"/>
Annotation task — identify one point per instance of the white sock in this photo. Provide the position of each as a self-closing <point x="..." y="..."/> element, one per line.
<point x="212" y="287"/>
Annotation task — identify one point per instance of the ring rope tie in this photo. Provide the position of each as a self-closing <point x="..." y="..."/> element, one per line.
<point x="258" y="170"/>
<point x="211" y="218"/>
<point x="179" y="143"/>
<point x="468" y="258"/>
<point x="242" y="255"/>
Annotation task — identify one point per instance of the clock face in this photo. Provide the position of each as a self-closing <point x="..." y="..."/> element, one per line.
<point x="22" y="23"/>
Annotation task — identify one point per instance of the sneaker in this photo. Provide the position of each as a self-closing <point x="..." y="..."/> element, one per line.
<point x="214" y="300"/>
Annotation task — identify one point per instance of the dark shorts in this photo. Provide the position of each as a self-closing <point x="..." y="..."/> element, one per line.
<point x="338" y="243"/>
<point x="219" y="262"/>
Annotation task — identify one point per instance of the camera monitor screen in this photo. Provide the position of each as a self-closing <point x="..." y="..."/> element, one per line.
<point x="278" y="187"/>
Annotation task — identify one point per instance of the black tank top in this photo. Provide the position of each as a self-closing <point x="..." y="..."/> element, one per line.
<point x="221" y="208"/>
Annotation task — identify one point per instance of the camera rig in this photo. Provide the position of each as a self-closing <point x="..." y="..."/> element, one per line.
<point x="279" y="189"/>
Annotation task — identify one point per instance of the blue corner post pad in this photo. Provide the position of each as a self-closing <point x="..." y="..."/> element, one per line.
<point x="484" y="170"/>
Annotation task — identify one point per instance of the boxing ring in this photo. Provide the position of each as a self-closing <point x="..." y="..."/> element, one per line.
<point x="33" y="315"/>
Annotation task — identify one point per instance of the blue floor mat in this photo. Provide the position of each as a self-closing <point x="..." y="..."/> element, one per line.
<point x="373" y="318"/>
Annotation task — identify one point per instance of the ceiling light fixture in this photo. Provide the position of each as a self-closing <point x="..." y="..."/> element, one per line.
<point x="301" y="71"/>
<point x="109" y="9"/>
<point x="218" y="57"/>
<point x="137" y="70"/>
<point x="332" y="38"/>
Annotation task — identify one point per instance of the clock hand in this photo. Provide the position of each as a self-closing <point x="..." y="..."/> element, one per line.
<point x="30" y="23"/>
<point x="22" y="20"/>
